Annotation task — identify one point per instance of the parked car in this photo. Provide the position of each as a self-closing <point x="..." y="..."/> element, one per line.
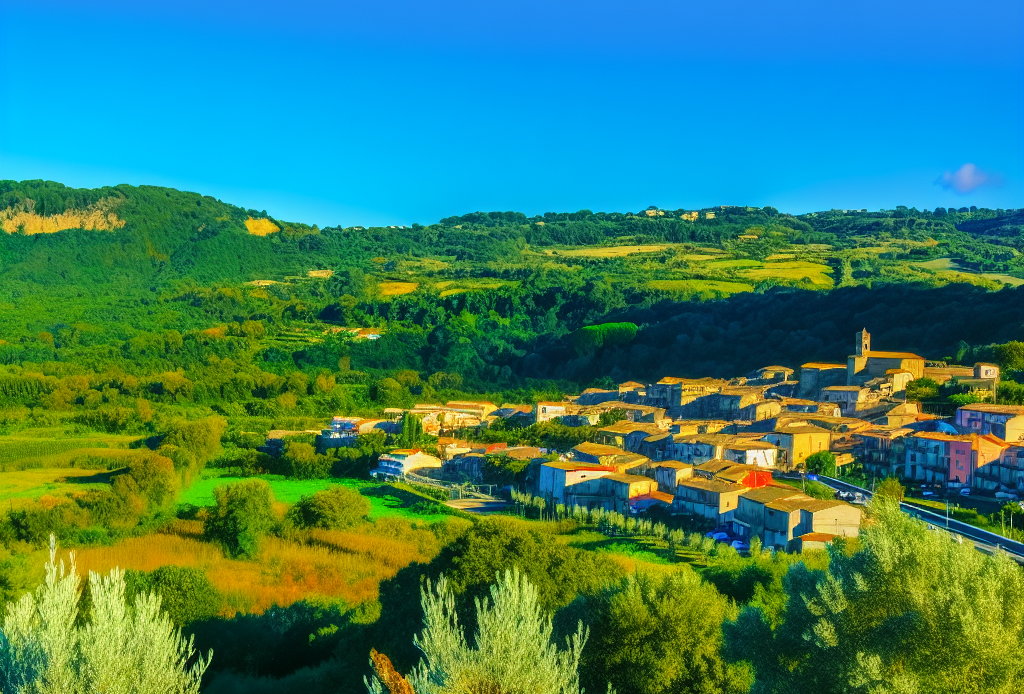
<point x="1008" y="496"/>
<point x="740" y="546"/>
<point x="965" y="491"/>
<point x="927" y="495"/>
<point x="718" y="536"/>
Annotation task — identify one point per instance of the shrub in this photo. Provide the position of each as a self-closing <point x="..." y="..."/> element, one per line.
<point x="890" y="488"/>
<point x="513" y="651"/>
<point x="186" y="594"/>
<point x="331" y="509"/>
<point x="120" y="648"/>
<point x="822" y="463"/>
<point x="243" y="515"/>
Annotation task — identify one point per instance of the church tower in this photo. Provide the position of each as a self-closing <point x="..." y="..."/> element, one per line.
<point x="862" y="344"/>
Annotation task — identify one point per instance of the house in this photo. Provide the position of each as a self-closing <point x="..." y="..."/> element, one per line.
<point x="400" y="462"/>
<point x="657" y="446"/>
<point x="938" y="458"/>
<point x="672" y="392"/>
<point x="849" y="398"/>
<point x="798" y="442"/>
<point x="546" y="411"/>
<point x="811" y="541"/>
<point x="728" y="471"/>
<point x="1004" y="421"/>
<point x="700" y="448"/>
<point x="803" y="406"/>
<point x="770" y="375"/>
<point x="753" y="453"/>
<point x="669" y="473"/>
<point x="626" y="434"/>
<point x="478" y="409"/>
<point x="881" y="449"/>
<point x="734" y="402"/>
<point x="712" y="499"/>
<point x="634" y="413"/>
<point x="789" y="518"/>
<point x="1004" y="473"/>
<point x="866" y="364"/>
<point x="595" y="396"/>
<point x="749" y="519"/>
<point x="817" y="375"/>
<point x="598" y="454"/>
<point x="554" y="478"/>
<point x="612" y="492"/>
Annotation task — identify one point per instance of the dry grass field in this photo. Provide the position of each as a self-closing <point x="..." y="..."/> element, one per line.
<point x="397" y="288"/>
<point x="98" y="217"/>
<point x="607" y="251"/>
<point x="261" y="227"/>
<point x="793" y="271"/>
<point x="24" y="487"/>
<point x="698" y="287"/>
<point x="329" y="564"/>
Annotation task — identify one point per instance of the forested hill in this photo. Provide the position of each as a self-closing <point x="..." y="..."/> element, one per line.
<point x="151" y="234"/>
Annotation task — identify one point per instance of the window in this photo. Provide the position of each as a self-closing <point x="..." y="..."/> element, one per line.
<point x="959" y="465"/>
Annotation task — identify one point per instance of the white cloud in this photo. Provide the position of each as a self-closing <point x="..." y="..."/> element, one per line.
<point x="967" y="178"/>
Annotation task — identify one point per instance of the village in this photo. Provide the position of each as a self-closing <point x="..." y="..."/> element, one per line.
<point x="728" y="453"/>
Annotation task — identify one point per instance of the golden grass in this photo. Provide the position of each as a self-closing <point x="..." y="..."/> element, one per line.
<point x="607" y="251"/>
<point x="729" y="264"/>
<point x="397" y="288"/>
<point x="320" y="274"/>
<point x="780" y="256"/>
<point x="261" y="227"/>
<point x="24" y="487"/>
<point x="98" y="217"/>
<point x="263" y="283"/>
<point x="794" y="270"/>
<point x="699" y="286"/>
<point x="347" y="565"/>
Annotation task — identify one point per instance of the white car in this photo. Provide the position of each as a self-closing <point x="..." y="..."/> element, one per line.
<point x="965" y="491"/>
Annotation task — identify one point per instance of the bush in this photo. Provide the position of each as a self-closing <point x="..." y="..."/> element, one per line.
<point x="121" y="647"/>
<point x="331" y="509"/>
<point x="890" y="488"/>
<point x="821" y="463"/>
<point x="186" y="594"/>
<point x="243" y="515"/>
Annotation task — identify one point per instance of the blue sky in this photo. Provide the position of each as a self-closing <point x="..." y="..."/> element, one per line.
<point x="398" y="112"/>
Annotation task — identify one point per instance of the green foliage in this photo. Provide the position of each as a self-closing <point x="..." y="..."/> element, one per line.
<point x="301" y="461"/>
<point x="1010" y="356"/>
<point x="591" y="338"/>
<point x="336" y="508"/>
<point x="513" y="650"/>
<point x="910" y="610"/>
<point x="822" y="463"/>
<point x="658" y="634"/>
<point x="120" y="648"/>
<point x="890" y="488"/>
<point x="922" y="389"/>
<point x="243" y="515"/>
<point x="185" y="593"/>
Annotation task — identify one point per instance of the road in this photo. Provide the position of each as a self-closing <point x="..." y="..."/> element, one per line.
<point x="983" y="540"/>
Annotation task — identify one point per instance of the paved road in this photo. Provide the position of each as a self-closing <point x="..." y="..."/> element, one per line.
<point x="984" y="540"/>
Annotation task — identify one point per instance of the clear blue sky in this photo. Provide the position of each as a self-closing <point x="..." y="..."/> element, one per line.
<point x="389" y="111"/>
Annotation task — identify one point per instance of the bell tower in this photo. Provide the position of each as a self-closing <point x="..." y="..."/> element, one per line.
<point x="862" y="345"/>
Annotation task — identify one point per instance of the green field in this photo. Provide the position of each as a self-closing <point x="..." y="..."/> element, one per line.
<point x="383" y="502"/>
<point x="699" y="287"/>
<point x="18" y="489"/>
<point x="41" y="448"/>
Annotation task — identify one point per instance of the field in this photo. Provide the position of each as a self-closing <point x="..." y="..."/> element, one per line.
<point x="21" y="488"/>
<point x="385" y="502"/>
<point x="346" y="565"/>
<point x="49" y="447"/>
<point x="450" y="288"/>
<point x="699" y="287"/>
<point x="797" y="270"/>
<point x="261" y="227"/>
<point x="397" y="288"/>
<point x="608" y="251"/>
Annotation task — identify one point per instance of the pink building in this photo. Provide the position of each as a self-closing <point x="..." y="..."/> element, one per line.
<point x="962" y="459"/>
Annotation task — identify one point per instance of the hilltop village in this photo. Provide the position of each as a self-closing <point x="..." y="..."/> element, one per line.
<point x="722" y="451"/>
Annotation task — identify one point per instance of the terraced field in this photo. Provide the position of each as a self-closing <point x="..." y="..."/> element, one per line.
<point x="48" y="448"/>
<point x="397" y="288"/>
<point x="796" y="270"/>
<point x="21" y="488"/>
<point x="700" y="287"/>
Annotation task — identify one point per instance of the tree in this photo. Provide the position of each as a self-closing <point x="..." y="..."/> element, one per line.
<point x="890" y="488"/>
<point x="921" y="389"/>
<point x="118" y="649"/>
<point x="1010" y="356"/>
<point x="911" y="610"/>
<point x="822" y="463"/>
<point x="301" y="461"/>
<point x="513" y="651"/>
<point x="243" y="515"/>
<point x="659" y="634"/>
<point x="331" y="509"/>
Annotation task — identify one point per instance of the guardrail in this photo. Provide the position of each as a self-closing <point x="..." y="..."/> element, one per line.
<point x="954" y="526"/>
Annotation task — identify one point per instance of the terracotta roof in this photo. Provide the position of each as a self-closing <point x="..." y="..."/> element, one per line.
<point x="551" y="404"/>
<point x="599" y="449"/>
<point x="1015" y="410"/>
<point x="936" y="436"/>
<point x="803" y="503"/>
<point x="578" y="466"/>
<point x="768" y="494"/>
<point x="712" y="485"/>
<point x="674" y="464"/>
<point x="892" y="355"/>
<point x="749" y="445"/>
<point x="663" y="497"/>
<point x="850" y="388"/>
<point x="805" y="429"/>
<point x="822" y="365"/>
<point x="817" y="537"/>
<point x="626" y="427"/>
<point x="631" y="384"/>
<point x="628" y="479"/>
